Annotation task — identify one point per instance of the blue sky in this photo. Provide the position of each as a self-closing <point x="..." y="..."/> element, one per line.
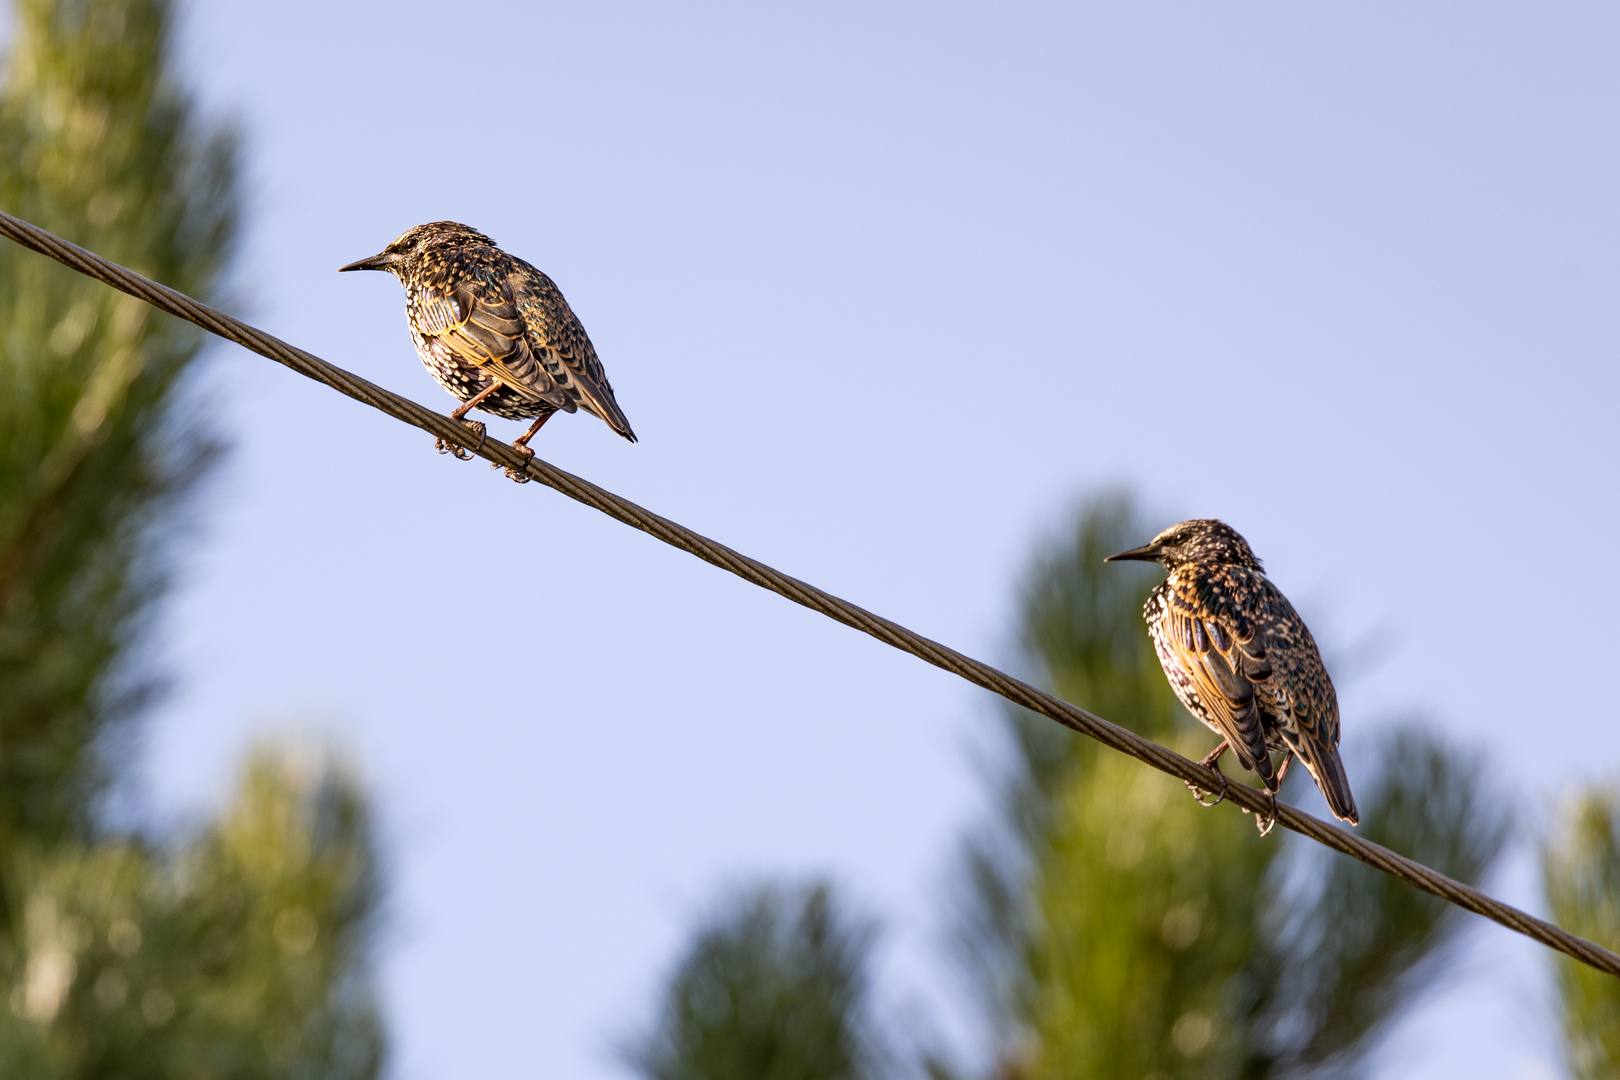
<point x="884" y="289"/>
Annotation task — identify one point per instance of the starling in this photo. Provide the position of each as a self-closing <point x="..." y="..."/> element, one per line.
<point x="494" y="331"/>
<point x="1241" y="659"/>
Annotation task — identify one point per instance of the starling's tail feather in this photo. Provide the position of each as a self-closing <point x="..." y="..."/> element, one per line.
<point x="1327" y="769"/>
<point x="603" y="405"/>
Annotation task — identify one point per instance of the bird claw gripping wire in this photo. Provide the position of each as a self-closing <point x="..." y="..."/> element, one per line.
<point x="1265" y="824"/>
<point x="516" y="475"/>
<point x="1198" y="793"/>
<point x="462" y="453"/>
<point x="457" y="452"/>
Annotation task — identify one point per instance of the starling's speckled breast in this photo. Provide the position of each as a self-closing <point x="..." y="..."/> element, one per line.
<point x="431" y="296"/>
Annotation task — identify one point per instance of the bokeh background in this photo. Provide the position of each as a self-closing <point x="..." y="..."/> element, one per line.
<point x="886" y="290"/>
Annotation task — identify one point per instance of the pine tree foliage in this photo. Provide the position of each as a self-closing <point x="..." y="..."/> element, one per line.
<point x="773" y="987"/>
<point x="235" y="949"/>
<point x="95" y="445"/>
<point x="1119" y="929"/>
<point x="1581" y="876"/>
<point x="238" y="951"/>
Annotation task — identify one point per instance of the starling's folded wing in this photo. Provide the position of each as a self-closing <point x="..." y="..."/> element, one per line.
<point x="481" y="326"/>
<point x="1302" y="697"/>
<point x="560" y="344"/>
<point x="1224" y="656"/>
<point x="1303" y="693"/>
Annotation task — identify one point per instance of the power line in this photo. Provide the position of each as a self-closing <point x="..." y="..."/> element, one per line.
<point x="974" y="671"/>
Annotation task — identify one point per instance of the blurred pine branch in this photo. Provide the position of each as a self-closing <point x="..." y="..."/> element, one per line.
<point x="240" y="948"/>
<point x="1581" y="875"/>
<point x="97" y="446"/>
<point x="773" y="986"/>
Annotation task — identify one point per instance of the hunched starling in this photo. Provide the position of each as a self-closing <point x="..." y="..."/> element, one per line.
<point x="494" y="331"/>
<point x="1241" y="659"/>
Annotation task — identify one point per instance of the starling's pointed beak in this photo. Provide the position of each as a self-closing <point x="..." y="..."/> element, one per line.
<point x="376" y="262"/>
<point x="1145" y="553"/>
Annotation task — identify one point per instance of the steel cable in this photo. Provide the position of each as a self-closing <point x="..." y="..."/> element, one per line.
<point x="980" y="674"/>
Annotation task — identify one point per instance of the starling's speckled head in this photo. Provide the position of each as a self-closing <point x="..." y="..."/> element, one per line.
<point x="1202" y="540"/>
<point x="398" y="257"/>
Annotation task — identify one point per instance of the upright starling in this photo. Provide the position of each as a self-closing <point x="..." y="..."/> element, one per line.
<point x="494" y="331"/>
<point x="1241" y="659"/>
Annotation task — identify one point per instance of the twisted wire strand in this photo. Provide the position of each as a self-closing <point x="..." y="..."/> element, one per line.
<point x="891" y="633"/>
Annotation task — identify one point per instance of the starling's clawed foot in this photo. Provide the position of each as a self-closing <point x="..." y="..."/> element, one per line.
<point x="1266" y="823"/>
<point x="517" y="474"/>
<point x="458" y="452"/>
<point x="1199" y="793"/>
<point x="1210" y="760"/>
<point x="462" y="453"/>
